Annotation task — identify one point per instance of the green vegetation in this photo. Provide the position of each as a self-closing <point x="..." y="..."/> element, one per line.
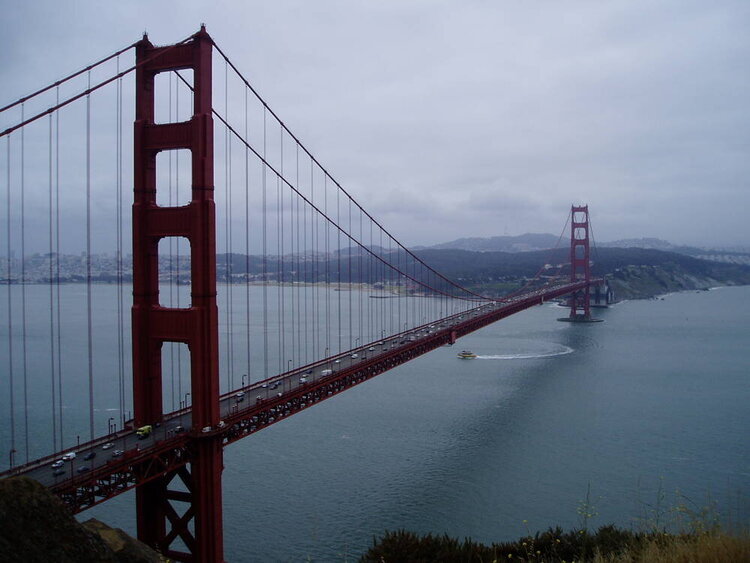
<point x="687" y="532"/>
<point x="608" y="544"/>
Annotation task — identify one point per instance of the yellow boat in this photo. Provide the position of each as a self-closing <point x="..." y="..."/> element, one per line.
<point x="467" y="355"/>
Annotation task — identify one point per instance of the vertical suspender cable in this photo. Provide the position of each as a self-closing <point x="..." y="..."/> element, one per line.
<point x="23" y="294"/>
<point x="315" y="258"/>
<point x="57" y="271"/>
<point x="359" y="278"/>
<point x="228" y="233"/>
<point x="279" y="317"/>
<point x="11" y="391"/>
<point x="349" y="267"/>
<point x="366" y="287"/>
<point x="52" y="300"/>
<point x="328" y="260"/>
<point x="177" y="242"/>
<point x="292" y="255"/>
<point x="300" y="250"/>
<point x="401" y="294"/>
<point x="172" y="282"/>
<point x="280" y="219"/>
<point x="247" y="251"/>
<point x="88" y="264"/>
<point x="389" y="273"/>
<point x="308" y="257"/>
<point x="338" y="261"/>
<point x="230" y="280"/>
<point x="265" y="256"/>
<point x="120" y="284"/>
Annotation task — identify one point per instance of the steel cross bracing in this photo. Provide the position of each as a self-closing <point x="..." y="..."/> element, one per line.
<point x="262" y="405"/>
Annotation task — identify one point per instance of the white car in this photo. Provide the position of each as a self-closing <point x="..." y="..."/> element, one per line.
<point x="69" y="456"/>
<point x="58" y="463"/>
<point x="108" y="445"/>
<point x="354" y="356"/>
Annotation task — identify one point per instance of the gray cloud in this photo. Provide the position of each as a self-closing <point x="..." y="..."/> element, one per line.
<point x="448" y="119"/>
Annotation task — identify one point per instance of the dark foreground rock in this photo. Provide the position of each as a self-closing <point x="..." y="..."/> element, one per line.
<point x="36" y="526"/>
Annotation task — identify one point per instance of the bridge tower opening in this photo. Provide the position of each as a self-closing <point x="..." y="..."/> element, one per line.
<point x="161" y="523"/>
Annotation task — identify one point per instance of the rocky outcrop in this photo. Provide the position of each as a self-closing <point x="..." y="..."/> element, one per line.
<point x="125" y="548"/>
<point x="36" y="527"/>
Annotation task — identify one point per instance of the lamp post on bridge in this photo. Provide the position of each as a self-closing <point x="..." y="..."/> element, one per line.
<point x="12" y="457"/>
<point x="109" y="425"/>
<point x="186" y="398"/>
<point x="244" y="376"/>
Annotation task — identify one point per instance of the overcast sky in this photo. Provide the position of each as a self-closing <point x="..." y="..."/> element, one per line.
<point x="475" y="117"/>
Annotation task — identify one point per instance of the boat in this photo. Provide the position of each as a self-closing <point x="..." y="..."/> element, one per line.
<point x="467" y="355"/>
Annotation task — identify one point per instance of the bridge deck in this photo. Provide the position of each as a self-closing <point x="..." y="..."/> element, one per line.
<point x="128" y="460"/>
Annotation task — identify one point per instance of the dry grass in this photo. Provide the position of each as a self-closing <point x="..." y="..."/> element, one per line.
<point x="704" y="548"/>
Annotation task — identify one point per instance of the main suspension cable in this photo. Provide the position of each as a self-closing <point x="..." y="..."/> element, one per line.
<point x="67" y="78"/>
<point x="90" y="89"/>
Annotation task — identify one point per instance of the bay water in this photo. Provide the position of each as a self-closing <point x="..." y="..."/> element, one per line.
<point x="634" y="421"/>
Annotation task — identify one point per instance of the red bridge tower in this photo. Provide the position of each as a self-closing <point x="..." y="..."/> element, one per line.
<point x="160" y="522"/>
<point x="580" y="265"/>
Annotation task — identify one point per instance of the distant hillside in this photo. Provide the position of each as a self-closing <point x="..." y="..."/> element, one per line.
<point x="522" y="243"/>
<point x="531" y="242"/>
<point x="646" y="242"/>
<point x="634" y="272"/>
<point x="736" y="256"/>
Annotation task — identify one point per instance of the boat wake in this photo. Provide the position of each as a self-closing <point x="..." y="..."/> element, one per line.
<point x="562" y="352"/>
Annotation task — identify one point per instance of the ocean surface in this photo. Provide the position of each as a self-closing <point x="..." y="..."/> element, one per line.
<point x="627" y="420"/>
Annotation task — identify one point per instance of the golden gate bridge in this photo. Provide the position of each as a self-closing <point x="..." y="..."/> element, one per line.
<point x="333" y="300"/>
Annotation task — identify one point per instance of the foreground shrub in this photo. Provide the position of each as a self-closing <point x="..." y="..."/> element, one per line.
<point x="608" y="544"/>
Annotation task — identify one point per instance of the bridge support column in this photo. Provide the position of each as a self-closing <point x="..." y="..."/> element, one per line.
<point x="159" y="523"/>
<point x="580" y="266"/>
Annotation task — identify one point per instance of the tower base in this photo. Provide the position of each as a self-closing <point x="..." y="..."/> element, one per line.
<point x="580" y="319"/>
